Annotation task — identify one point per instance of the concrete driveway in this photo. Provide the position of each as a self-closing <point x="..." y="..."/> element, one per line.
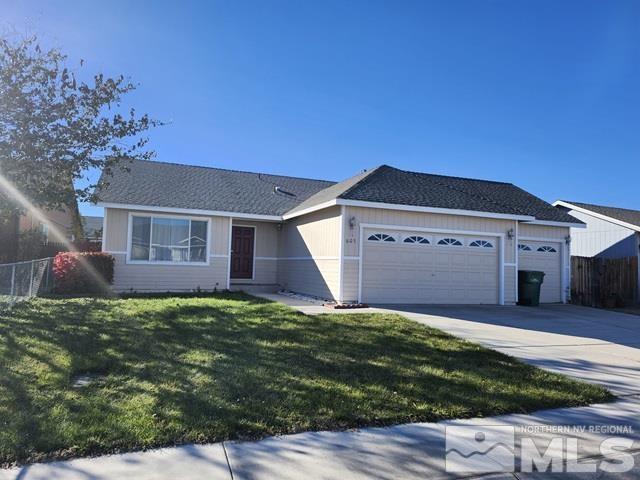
<point x="594" y="345"/>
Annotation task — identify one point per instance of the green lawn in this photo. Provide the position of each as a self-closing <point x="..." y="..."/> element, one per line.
<point x="179" y="369"/>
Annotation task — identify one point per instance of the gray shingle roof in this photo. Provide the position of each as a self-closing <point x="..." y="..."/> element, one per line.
<point x="204" y="188"/>
<point x="386" y="184"/>
<point x="622" y="214"/>
<point x="332" y="192"/>
<point x="174" y="185"/>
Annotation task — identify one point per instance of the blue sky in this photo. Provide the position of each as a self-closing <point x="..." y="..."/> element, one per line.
<point x="543" y="94"/>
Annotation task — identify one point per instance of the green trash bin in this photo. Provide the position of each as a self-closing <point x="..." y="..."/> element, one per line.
<point x="529" y="283"/>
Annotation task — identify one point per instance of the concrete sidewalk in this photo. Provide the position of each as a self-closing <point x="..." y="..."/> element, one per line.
<point x="402" y="452"/>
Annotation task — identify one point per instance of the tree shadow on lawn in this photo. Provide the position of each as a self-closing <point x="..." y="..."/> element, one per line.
<point x="179" y="370"/>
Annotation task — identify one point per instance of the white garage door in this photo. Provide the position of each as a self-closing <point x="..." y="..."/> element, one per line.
<point x="545" y="257"/>
<point x="418" y="267"/>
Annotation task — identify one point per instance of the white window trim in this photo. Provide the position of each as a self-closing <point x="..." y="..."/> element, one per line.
<point x="449" y="245"/>
<point x="341" y="256"/>
<point x="428" y="239"/>
<point x="499" y="236"/>
<point x="151" y="215"/>
<point x="407" y="208"/>
<point x="490" y="245"/>
<point x="104" y="231"/>
<point x="189" y="211"/>
<point x="380" y="240"/>
<point x="253" y="264"/>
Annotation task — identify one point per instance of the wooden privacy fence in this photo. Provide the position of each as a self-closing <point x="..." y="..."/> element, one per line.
<point x="604" y="282"/>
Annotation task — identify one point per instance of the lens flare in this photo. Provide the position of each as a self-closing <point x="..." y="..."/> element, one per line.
<point x="17" y="197"/>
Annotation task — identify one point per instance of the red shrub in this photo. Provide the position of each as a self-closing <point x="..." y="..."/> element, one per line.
<point x="72" y="275"/>
<point x="87" y="246"/>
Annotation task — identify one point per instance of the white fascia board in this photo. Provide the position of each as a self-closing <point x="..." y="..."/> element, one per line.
<point x="312" y="209"/>
<point x="444" y="211"/>
<point x="586" y="211"/>
<point x="550" y="223"/>
<point x="191" y="211"/>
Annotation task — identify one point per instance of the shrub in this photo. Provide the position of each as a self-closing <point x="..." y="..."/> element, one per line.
<point x="72" y="275"/>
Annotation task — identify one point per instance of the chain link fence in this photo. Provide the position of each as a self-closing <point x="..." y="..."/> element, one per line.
<point x="22" y="280"/>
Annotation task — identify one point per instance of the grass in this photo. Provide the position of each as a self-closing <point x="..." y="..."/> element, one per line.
<point x="187" y="369"/>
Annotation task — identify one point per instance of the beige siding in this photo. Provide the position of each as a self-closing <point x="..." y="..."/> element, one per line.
<point x="266" y="252"/>
<point x="316" y="234"/>
<point x="309" y="252"/>
<point x="510" y="285"/>
<point x="318" y="277"/>
<point x="542" y="231"/>
<point x="155" y="277"/>
<point x="350" y="279"/>
<point x="163" y="278"/>
<point x="360" y="215"/>
<point x="115" y="235"/>
<point x="423" y="220"/>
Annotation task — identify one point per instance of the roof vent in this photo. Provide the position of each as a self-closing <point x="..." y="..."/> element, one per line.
<point x="283" y="192"/>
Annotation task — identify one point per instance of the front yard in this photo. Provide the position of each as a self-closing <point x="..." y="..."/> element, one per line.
<point x="172" y="370"/>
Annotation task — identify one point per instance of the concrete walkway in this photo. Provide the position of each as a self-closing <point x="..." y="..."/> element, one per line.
<point x="412" y="451"/>
<point x="589" y="344"/>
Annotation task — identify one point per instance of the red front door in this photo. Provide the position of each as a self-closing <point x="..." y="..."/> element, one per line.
<point x="242" y="239"/>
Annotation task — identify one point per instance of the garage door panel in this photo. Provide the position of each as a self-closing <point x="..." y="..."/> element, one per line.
<point x="419" y="273"/>
<point x="548" y="262"/>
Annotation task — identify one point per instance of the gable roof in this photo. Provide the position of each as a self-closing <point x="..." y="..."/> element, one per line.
<point x="168" y="185"/>
<point x="172" y="185"/>
<point x="618" y="215"/>
<point x="390" y="185"/>
<point x="332" y="192"/>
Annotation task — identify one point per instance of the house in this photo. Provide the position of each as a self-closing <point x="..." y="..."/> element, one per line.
<point x="382" y="236"/>
<point x="13" y="234"/>
<point x="92" y="228"/>
<point x="610" y="232"/>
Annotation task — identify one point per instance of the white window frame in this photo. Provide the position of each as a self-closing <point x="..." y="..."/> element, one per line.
<point x="382" y="241"/>
<point x="150" y="215"/>
<point x="488" y="243"/>
<point x="450" y="245"/>
<point x="428" y="244"/>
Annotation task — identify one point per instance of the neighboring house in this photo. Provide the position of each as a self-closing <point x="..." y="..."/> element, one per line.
<point x="16" y="240"/>
<point x="92" y="227"/>
<point x="66" y="221"/>
<point x="610" y="232"/>
<point x="382" y="236"/>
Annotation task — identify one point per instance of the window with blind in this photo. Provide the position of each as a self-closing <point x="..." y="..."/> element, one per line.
<point x="168" y="240"/>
